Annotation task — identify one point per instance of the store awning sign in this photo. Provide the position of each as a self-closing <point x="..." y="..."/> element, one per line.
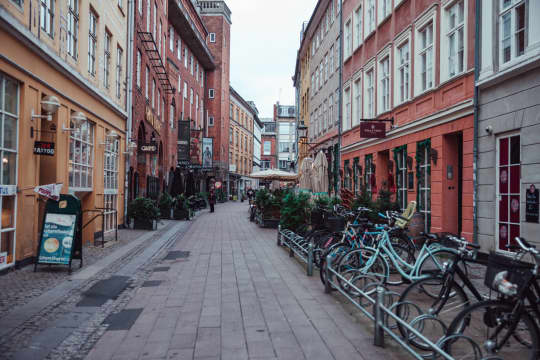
<point x="51" y="191"/>
<point x="44" y="148"/>
<point x="148" y="148"/>
<point x="372" y="130"/>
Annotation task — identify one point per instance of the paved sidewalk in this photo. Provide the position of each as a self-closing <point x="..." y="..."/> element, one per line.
<point x="237" y="296"/>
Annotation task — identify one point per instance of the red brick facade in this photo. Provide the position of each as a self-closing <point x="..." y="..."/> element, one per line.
<point x="272" y="158"/>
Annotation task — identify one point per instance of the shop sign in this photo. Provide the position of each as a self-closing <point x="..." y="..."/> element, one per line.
<point x="153" y="120"/>
<point x="7" y="190"/>
<point x="44" y="148"/>
<point x="372" y="129"/>
<point x="148" y="148"/>
<point x="57" y="239"/>
<point x="183" y="141"/>
<point x="195" y="147"/>
<point x="532" y="199"/>
<point x="3" y="259"/>
<point x="208" y="152"/>
<point x="51" y="191"/>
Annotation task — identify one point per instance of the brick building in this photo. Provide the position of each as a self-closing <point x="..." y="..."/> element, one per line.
<point x="285" y="119"/>
<point x="413" y="61"/>
<point x="268" y="144"/>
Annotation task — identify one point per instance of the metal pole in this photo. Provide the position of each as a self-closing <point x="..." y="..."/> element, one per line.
<point x="327" y="286"/>
<point x="279" y="236"/>
<point x="291" y="251"/>
<point x="310" y="260"/>
<point x="129" y="100"/>
<point x="340" y="109"/>
<point x="378" y="314"/>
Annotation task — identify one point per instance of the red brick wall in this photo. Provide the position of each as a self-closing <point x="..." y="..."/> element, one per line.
<point x="273" y="150"/>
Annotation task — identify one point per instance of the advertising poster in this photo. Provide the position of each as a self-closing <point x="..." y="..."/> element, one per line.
<point x="208" y="152"/>
<point x="183" y="142"/>
<point x="57" y="239"/>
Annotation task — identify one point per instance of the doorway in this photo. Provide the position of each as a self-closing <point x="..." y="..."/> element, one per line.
<point x="453" y="183"/>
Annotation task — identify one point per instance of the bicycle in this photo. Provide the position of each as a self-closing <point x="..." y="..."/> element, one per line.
<point x="503" y="328"/>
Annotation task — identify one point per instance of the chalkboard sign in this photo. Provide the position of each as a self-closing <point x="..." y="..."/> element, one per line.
<point x="57" y="239"/>
<point x="531" y="205"/>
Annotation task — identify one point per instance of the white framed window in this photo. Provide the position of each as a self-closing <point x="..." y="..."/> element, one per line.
<point x="424" y="74"/>
<point x="369" y="22"/>
<point x="267" y="147"/>
<point x="357" y="101"/>
<point x="210" y="121"/>
<point x="179" y="83"/>
<point x="369" y="93"/>
<point x="158" y="102"/>
<point x="139" y="69"/>
<point x="107" y="59"/>
<point x="139" y="6"/>
<point x="191" y="64"/>
<point x="153" y="93"/>
<point x="159" y="39"/>
<point x="119" y="55"/>
<point x="384" y="85"/>
<point x="332" y="11"/>
<point x="81" y="156"/>
<point x="401" y="177"/>
<point x="179" y="48"/>
<point x="385" y="8"/>
<point x="92" y="41"/>
<point x="197" y="72"/>
<point x="402" y="58"/>
<point x="73" y="28"/>
<point x="326" y="67"/>
<point x="185" y="90"/>
<point x="191" y="96"/>
<point x="154" y="24"/>
<point x="146" y="83"/>
<point x="358" y="16"/>
<point x="211" y="93"/>
<point x="46" y="14"/>
<point x="148" y="15"/>
<point x="171" y="38"/>
<point x="348" y="39"/>
<point x="331" y="110"/>
<point x="197" y="101"/>
<point x="185" y="57"/>
<point x="172" y="115"/>
<point x="513" y="27"/>
<point x="331" y="54"/>
<point x="336" y="99"/>
<point x="110" y="165"/>
<point x="347" y="107"/>
<point x="325" y="115"/>
<point x="110" y="202"/>
<point x="212" y="37"/>
<point x="337" y="53"/>
<point x="453" y="57"/>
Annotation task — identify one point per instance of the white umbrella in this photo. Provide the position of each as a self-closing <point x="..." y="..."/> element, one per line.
<point x="274" y="174"/>
<point x="320" y="171"/>
<point x="306" y="174"/>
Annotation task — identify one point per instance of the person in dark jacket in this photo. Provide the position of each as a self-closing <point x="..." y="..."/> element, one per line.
<point x="212" y="198"/>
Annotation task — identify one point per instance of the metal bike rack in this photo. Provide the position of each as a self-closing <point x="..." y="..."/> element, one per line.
<point x="380" y="315"/>
<point x="297" y="245"/>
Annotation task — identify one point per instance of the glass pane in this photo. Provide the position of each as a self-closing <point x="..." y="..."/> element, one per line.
<point x="77" y="175"/>
<point x="503" y="151"/>
<point x="89" y="172"/>
<point x="503" y="180"/>
<point x="7" y="242"/>
<point x="514" y="150"/>
<point x="84" y="153"/>
<point x="503" y="208"/>
<point x="10" y="132"/>
<point x="11" y="95"/>
<point x="8" y="212"/>
<point x="428" y="200"/>
<point x="503" y="236"/>
<point x="514" y="179"/>
<point x="514" y="209"/>
<point x="71" y="175"/>
<point x="9" y="166"/>
<point x="514" y="232"/>
<point x="428" y="177"/>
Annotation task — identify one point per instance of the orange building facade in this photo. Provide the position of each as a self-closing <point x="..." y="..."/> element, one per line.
<point x="411" y="61"/>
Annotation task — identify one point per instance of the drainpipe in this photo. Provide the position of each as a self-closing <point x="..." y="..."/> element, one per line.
<point x="340" y="110"/>
<point x="129" y="102"/>
<point x="475" y="106"/>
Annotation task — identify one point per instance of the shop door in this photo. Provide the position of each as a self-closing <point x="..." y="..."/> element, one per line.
<point x="508" y="185"/>
<point x="452" y="189"/>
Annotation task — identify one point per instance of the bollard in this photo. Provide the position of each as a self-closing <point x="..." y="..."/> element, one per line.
<point x="291" y="244"/>
<point x="378" y="314"/>
<point x="310" y="260"/>
<point x="327" y="286"/>
<point x="279" y="235"/>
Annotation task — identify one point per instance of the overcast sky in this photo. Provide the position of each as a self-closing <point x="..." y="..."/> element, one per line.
<point x="265" y="37"/>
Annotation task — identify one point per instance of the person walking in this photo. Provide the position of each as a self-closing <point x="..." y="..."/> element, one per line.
<point x="212" y="198"/>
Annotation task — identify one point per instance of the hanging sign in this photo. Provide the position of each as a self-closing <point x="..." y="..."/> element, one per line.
<point x="531" y="205"/>
<point x="372" y="129"/>
<point x="57" y="239"/>
<point x="51" y="191"/>
<point x="148" y="148"/>
<point x="184" y="140"/>
<point x="44" y="148"/>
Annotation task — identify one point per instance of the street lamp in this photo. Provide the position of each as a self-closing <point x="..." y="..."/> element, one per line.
<point x="302" y="131"/>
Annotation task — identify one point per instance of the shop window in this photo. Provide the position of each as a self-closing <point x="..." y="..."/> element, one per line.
<point x="356" y="175"/>
<point x="81" y="156"/>
<point x="423" y="174"/>
<point x="347" y="180"/>
<point x="400" y="158"/>
<point x="370" y="175"/>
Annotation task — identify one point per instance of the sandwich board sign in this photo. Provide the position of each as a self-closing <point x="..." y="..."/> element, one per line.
<point x="61" y="232"/>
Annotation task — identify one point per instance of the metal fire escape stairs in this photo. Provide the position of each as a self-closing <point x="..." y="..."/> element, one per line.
<point x="152" y="52"/>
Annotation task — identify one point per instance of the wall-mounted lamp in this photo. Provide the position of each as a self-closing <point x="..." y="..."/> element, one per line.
<point x="49" y="105"/>
<point x="132" y="145"/>
<point x="109" y="137"/>
<point x="77" y="119"/>
<point x="489" y="130"/>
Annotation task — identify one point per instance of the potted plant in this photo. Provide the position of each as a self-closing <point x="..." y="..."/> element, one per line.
<point x="295" y="211"/>
<point x="144" y="213"/>
<point x="181" y="209"/>
<point x="165" y="204"/>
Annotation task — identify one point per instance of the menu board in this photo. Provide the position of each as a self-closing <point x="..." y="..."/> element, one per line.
<point x="57" y="239"/>
<point x="531" y="205"/>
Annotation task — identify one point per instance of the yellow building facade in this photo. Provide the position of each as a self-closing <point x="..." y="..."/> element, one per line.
<point x="62" y="82"/>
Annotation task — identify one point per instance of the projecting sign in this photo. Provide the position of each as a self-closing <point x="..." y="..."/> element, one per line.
<point x="183" y="141"/>
<point x="44" y="148"/>
<point x="148" y="148"/>
<point x="372" y="129"/>
<point x="531" y="205"/>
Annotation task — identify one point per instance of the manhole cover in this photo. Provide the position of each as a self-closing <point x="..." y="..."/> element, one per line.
<point x="174" y="255"/>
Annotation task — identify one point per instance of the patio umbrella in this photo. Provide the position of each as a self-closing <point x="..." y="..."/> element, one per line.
<point x="274" y="174"/>
<point x="320" y="173"/>
<point x="306" y="174"/>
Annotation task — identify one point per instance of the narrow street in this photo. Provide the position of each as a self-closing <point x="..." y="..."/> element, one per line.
<point x="214" y="288"/>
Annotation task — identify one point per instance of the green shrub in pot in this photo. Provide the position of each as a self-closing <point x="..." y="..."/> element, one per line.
<point x="165" y="204"/>
<point x="144" y="212"/>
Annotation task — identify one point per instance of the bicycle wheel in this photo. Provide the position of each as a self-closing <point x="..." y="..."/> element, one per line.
<point x="434" y="296"/>
<point x="394" y="276"/>
<point x="403" y="246"/>
<point x="359" y="266"/>
<point x="432" y="264"/>
<point x="487" y="324"/>
<point x="336" y="251"/>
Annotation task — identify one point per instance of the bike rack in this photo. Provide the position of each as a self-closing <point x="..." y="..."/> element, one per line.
<point x="297" y="245"/>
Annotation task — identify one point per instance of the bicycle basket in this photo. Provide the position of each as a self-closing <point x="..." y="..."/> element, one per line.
<point x="519" y="272"/>
<point x="335" y="223"/>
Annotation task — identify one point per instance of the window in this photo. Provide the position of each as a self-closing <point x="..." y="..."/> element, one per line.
<point x="197" y="101"/>
<point x="191" y="64"/>
<point x="179" y="83"/>
<point x="81" y="156"/>
<point x="119" y="54"/>
<point x="185" y="57"/>
<point x="185" y="90"/>
<point x="197" y="72"/>
<point x="284" y="128"/>
<point x="384" y="90"/>
<point x="424" y="181"/>
<point x="46" y="14"/>
<point x="110" y="197"/>
<point x="336" y="98"/>
<point x="230" y="139"/>
<point x="370" y="175"/>
<point x="191" y="96"/>
<point x="146" y="84"/>
<point x="332" y="67"/>
<point x="139" y="6"/>
<point x="265" y="164"/>
<point x="369" y="23"/>
<point x="347" y="175"/>
<point x="178" y="49"/>
<point x="120" y="3"/>
<point x="92" y="40"/>
<point x="337" y="53"/>
<point x="325" y="115"/>
<point x="139" y="69"/>
<point x="159" y="38"/>
<point x="357" y="105"/>
<point x="153" y="93"/>
<point x="172" y="114"/>
<point x="426" y="57"/>
<point x="347" y="108"/>
<point x="326" y="67"/>
<point x="283" y="164"/>
<point x="403" y="73"/>
<point x="455" y="38"/>
<point x="158" y="102"/>
<point x="211" y="121"/>
<point x="148" y="14"/>
<point x="212" y="37"/>
<point x="211" y="93"/>
<point x="513" y="26"/>
<point x="358" y="27"/>
<point x="348" y="39"/>
<point x="73" y="27"/>
<point x="369" y="80"/>
<point x="107" y="62"/>
<point x="284" y="146"/>
<point x="171" y="38"/>
<point x="331" y="111"/>
<point x="154" y="23"/>
<point x="400" y="155"/>
<point x="385" y="7"/>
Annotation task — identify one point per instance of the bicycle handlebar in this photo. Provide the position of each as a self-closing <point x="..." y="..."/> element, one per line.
<point x="526" y="246"/>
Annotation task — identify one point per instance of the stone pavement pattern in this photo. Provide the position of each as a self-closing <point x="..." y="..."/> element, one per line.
<point x="237" y="296"/>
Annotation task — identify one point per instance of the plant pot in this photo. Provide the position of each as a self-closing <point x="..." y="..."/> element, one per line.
<point x="145" y="224"/>
<point x="180" y="214"/>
